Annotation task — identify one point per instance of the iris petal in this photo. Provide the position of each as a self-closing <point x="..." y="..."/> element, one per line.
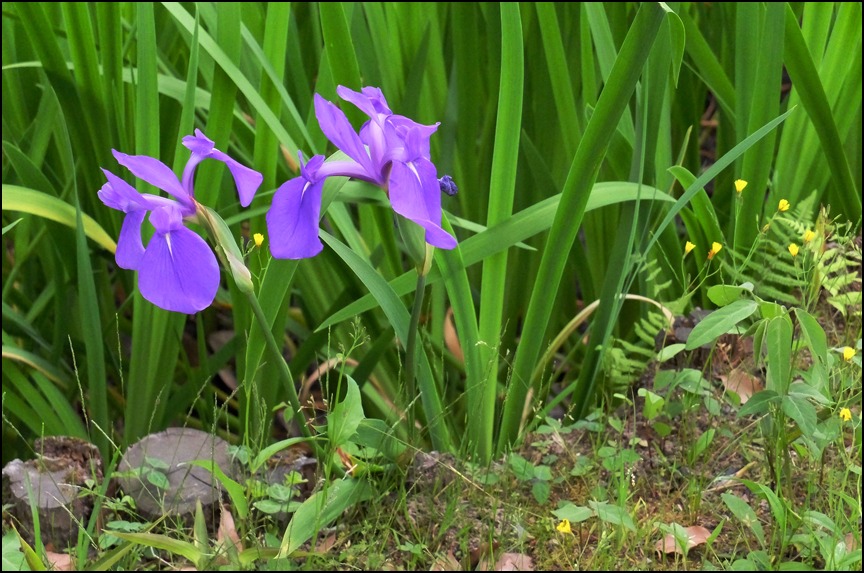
<point x="292" y="221"/>
<point x="130" y="249"/>
<point x="415" y="198"/>
<point x="153" y="172"/>
<point x="179" y="272"/>
<point x="338" y="129"/>
<point x="247" y="180"/>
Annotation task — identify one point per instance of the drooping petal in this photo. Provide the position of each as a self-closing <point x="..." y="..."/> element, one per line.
<point x="370" y="101"/>
<point x="119" y="195"/>
<point x="292" y="221"/>
<point x="246" y="179"/>
<point x="130" y="249"/>
<point x="199" y="143"/>
<point x="415" y="194"/>
<point x="153" y="172"/>
<point x="179" y="272"/>
<point x="338" y="130"/>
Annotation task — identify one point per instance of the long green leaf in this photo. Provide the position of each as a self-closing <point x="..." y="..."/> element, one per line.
<point x="25" y="200"/>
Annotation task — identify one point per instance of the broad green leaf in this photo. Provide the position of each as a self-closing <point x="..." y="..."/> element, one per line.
<point x="745" y="514"/>
<point x="778" y="338"/>
<point x="803" y="390"/>
<point x="320" y="510"/>
<point x="814" y="334"/>
<point x="653" y="403"/>
<point x="236" y="492"/>
<point x="613" y="514"/>
<point x="758" y="403"/>
<point x="802" y="411"/>
<point x="720" y="322"/>
<point x="669" y="352"/>
<point x="345" y="417"/>
<point x="723" y="295"/>
<point x="573" y="513"/>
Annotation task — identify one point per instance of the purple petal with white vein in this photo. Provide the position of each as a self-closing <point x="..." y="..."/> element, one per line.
<point x="179" y="272"/>
<point x="292" y="221"/>
<point x="416" y="195"/>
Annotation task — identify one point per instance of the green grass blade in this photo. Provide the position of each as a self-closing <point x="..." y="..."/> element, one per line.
<point x="502" y="190"/>
<point x="611" y="107"/>
<point x="25" y="200"/>
<point x="813" y="99"/>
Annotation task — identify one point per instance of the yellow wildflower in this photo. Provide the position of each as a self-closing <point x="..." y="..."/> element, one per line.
<point x="809" y="235"/>
<point x="793" y="250"/>
<point x="783" y="206"/>
<point x="715" y="248"/>
<point x="848" y="353"/>
<point x="688" y="246"/>
<point x="740" y="184"/>
<point x="564" y="526"/>
<point x="258" y="238"/>
<point x="845" y="414"/>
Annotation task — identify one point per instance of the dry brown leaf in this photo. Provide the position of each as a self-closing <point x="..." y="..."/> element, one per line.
<point x="60" y="561"/>
<point x="696" y="535"/>
<point x="508" y="562"/>
<point x="742" y="383"/>
<point x="227" y="530"/>
<point x="326" y="544"/>
<point x="446" y="563"/>
<point x="851" y="542"/>
<point x="451" y="339"/>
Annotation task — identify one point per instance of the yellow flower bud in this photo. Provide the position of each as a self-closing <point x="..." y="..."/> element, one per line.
<point x="783" y="206"/>
<point x="258" y="238"/>
<point x="564" y="526"/>
<point x="715" y="248"/>
<point x="793" y="250"/>
<point x="845" y="414"/>
<point x="848" y="353"/>
<point x="740" y="184"/>
<point x="809" y="235"/>
<point x="688" y="246"/>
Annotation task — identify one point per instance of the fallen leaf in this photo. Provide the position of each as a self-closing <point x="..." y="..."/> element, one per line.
<point x="326" y="544"/>
<point x="696" y="535"/>
<point x="508" y="562"/>
<point x="851" y="542"/>
<point x="742" y="383"/>
<point x="446" y="563"/>
<point x="228" y="531"/>
<point x="59" y="561"/>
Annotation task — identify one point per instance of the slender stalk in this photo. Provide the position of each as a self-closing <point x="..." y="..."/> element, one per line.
<point x="411" y="349"/>
<point x="284" y="371"/>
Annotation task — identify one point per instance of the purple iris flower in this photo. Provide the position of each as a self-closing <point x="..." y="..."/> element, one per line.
<point x="391" y="151"/>
<point x="177" y="270"/>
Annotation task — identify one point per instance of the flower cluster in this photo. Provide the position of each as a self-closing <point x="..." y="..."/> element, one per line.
<point x="390" y="151"/>
<point x="179" y="272"/>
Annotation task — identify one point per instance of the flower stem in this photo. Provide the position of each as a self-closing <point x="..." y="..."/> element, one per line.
<point x="411" y="350"/>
